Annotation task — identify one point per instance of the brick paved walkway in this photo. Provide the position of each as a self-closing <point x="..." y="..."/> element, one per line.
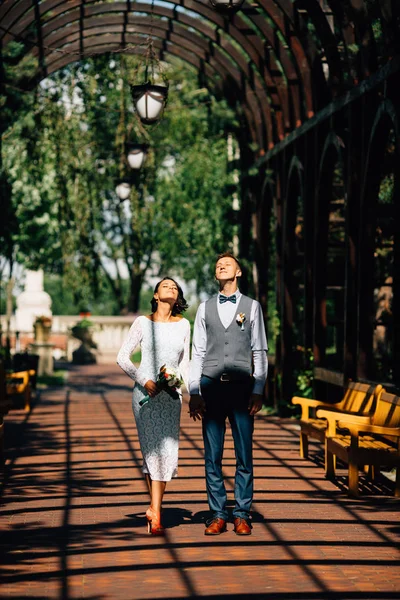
<point x="74" y="501"/>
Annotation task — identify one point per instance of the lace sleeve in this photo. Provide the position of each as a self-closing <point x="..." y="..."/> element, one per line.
<point x="124" y="355"/>
<point x="185" y="358"/>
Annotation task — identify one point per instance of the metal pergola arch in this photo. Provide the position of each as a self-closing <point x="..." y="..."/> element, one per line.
<point x="52" y="15"/>
<point x="272" y="34"/>
<point x="224" y="58"/>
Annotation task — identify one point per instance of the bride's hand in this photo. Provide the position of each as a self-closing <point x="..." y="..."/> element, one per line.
<point x="151" y="388"/>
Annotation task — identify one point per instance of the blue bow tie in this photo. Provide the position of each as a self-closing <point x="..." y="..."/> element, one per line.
<point x="223" y="299"/>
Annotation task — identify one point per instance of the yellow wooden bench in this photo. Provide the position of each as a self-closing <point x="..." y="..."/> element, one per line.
<point x="20" y="384"/>
<point x="358" y="399"/>
<point x="374" y="441"/>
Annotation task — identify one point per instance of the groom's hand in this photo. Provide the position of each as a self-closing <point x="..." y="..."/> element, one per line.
<point x="197" y="407"/>
<point x="255" y="403"/>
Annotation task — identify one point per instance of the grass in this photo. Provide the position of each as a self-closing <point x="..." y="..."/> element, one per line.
<point x="136" y="357"/>
<point x="268" y="411"/>
<point x="56" y="379"/>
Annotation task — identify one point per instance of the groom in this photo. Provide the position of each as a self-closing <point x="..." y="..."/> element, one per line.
<point x="227" y="377"/>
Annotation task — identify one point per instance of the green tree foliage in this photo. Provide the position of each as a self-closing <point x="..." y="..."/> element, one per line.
<point x="15" y="72"/>
<point x="64" y="156"/>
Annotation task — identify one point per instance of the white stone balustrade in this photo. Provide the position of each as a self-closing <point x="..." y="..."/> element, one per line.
<point x="108" y="333"/>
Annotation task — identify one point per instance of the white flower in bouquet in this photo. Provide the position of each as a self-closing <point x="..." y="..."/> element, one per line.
<point x="168" y="381"/>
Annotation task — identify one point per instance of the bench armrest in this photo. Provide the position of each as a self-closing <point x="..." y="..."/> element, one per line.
<point x="356" y="428"/>
<point x="307" y="403"/>
<point x="24" y="375"/>
<point x="334" y="417"/>
<point x="324" y="413"/>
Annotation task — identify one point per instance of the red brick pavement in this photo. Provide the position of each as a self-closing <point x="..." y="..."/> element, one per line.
<point x="74" y="501"/>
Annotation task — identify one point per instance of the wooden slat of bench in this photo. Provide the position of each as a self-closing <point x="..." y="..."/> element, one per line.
<point x="366" y="443"/>
<point x="318" y="424"/>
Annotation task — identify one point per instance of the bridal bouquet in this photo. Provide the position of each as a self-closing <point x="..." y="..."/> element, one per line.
<point x="168" y="381"/>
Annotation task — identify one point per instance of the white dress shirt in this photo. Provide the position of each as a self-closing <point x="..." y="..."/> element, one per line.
<point x="226" y="313"/>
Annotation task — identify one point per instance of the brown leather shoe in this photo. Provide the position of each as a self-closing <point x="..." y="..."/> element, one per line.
<point x="241" y="526"/>
<point x="215" y="527"/>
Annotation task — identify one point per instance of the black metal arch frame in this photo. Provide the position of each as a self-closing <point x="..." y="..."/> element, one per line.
<point x="279" y="65"/>
<point x="331" y="154"/>
<point x="385" y="119"/>
<point x="295" y="182"/>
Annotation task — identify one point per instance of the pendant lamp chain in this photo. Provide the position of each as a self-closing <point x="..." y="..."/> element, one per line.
<point x="150" y="54"/>
<point x="150" y="97"/>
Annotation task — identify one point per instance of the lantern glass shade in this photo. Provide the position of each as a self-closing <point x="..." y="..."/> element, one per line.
<point x="136" y="156"/>
<point x="149" y="100"/>
<point x="227" y="5"/>
<point x="123" y="190"/>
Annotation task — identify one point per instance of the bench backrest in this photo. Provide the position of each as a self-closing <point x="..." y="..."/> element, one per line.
<point x="387" y="412"/>
<point x="359" y="397"/>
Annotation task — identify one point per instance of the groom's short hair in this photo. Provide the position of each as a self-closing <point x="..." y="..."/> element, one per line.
<point x="229" y="255"/>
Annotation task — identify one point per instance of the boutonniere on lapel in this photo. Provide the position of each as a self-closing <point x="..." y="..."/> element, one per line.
<point x="240" y="319"/>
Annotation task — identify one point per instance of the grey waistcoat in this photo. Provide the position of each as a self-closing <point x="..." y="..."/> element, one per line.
<point x="228" y="350"/>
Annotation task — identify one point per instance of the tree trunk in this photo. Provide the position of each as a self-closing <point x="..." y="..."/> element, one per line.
<point x="9" y="302"/>
<point x="115" y="287"/>
<point x="136" y="283"/>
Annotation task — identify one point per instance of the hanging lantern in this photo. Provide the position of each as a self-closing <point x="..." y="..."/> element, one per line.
<point x="123" y="190"/>
<point x="150" y="97"/>
<point x="149" y="100"/>
<point x="136" y="155"/>
<point x="228" y="6"/>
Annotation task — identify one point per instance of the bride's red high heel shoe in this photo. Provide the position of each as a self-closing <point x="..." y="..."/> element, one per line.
<point x="154" y="526"/>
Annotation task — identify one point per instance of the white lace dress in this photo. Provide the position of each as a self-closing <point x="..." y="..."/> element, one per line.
<point x="158" y="420"/>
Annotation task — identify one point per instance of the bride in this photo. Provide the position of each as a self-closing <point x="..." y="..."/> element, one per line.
<point x="164" y="338"/>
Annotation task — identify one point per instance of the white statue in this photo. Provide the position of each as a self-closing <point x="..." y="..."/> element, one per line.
<point x="32" y="302"/>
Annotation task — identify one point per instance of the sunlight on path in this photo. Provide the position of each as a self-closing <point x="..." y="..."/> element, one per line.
<point x="74" y="501"/>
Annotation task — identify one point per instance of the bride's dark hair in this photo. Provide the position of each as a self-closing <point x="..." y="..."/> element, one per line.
<point x="179" y="307"/>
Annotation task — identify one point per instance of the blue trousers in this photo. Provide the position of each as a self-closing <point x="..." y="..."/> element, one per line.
<point x="228" y="400"/>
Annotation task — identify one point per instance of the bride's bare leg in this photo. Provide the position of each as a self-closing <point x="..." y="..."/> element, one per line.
<point x="157" y="493"/>
<point x="153" y="513"/>
<point x="148" y="482"/>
